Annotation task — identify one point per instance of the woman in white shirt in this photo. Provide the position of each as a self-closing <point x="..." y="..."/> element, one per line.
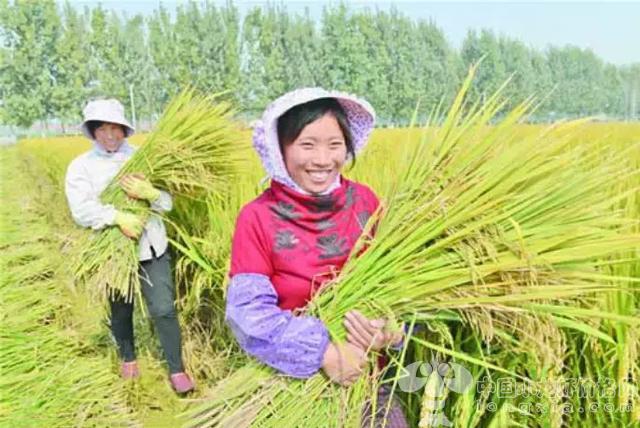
<point x="87" y="176"/>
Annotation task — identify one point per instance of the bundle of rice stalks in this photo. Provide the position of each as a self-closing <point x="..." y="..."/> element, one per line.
<point x="203" y="232"/>
<point x="188" y="155"/>
<point x="203" y="235"/>
<point x="500" y="234"/>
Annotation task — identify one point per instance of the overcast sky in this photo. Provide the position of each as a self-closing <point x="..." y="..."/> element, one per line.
<point x="610" y="29"/>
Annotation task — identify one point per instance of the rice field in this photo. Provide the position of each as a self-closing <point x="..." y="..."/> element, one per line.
<point x="526" y="237"/>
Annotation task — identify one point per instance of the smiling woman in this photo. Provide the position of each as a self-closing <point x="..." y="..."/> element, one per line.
<point x="87" y="177"/>
<point x="314" y="139"/>
<point x="296" y="237"/>
<point x="109" y="135"/>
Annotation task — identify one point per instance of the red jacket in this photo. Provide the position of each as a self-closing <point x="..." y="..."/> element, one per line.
<point x="300" y="241"/>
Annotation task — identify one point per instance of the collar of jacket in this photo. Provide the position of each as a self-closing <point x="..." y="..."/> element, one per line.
<point x="125" y="148"/>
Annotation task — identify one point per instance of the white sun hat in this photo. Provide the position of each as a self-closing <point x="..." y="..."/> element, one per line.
<point x="110" y="110"/>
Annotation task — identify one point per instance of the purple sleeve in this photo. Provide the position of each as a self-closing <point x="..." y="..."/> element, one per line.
<point x="294" y="345"/>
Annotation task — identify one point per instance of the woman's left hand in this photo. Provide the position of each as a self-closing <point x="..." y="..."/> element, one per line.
<point x="138" y="187"/>
<point x="369" y="334"/>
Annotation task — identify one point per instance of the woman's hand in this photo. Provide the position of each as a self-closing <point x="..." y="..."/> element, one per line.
<point x="369" y="334"/>
<point x="130" y="224"/>
<point x="138" y="187"/>
<point x="344" y="363"/>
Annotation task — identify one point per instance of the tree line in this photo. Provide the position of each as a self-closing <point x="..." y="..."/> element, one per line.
<point x="53" y="58"/>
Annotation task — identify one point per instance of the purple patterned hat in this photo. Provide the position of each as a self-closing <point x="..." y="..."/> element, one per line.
<point x="360" y="115"/>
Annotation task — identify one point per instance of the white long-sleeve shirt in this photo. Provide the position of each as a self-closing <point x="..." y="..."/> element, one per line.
<point x="88" y="175"/>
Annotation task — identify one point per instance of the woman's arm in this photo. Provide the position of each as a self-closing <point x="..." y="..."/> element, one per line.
<point x="294" y="345"/>
<point x="86" y="208"/>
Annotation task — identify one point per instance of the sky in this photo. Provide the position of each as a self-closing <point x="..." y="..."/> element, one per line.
<point x="610" y="29"/>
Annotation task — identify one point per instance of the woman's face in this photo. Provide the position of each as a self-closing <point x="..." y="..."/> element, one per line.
<point x="317" y="156"/>
<point x="110" y="136"/>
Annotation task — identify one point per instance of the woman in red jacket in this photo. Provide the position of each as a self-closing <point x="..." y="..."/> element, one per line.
<point x="298" y="234"/>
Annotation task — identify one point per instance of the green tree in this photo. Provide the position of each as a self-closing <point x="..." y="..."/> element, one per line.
<point x="71" y="71"/>
<point x="217" y="67"/>
<point x="53" y="61"/>
<point x="345" y="65"/>
<point x="612" y="91"/>
<point x="106" y="56"/>
<point x="542" y="83"/>
<point x="377" y="32"/>
<point x="630" y="81"/>
<point x="194" y="41"/>
<point x="403" y="88"/>
<point x="265" y="65"/>
<point x="140" y="77"/>
<point x="166" y="53"/>
<point x="579" y="78"/>
<point x="230" y="58"/>
<point x="492" y="73"/>
<point x="302" y="50"/>
<point x="252" y="63"/>
<point x="438" y="68"/>
<point x="517" y="65"/>
<point x="30" y="32"/>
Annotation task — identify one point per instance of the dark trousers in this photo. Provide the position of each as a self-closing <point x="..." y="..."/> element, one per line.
<point x="159" y="295"/>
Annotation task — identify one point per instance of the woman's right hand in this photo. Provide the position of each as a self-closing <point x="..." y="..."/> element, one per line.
<point x="130" y="224"/>
<point x="344" y="363"/>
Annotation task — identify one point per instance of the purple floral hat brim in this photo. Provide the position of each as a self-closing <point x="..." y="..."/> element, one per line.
<point x="360" y="115"/>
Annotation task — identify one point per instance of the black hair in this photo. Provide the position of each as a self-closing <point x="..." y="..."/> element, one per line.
<point x="92" y="125"/>
<point x="293" y="121"/>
